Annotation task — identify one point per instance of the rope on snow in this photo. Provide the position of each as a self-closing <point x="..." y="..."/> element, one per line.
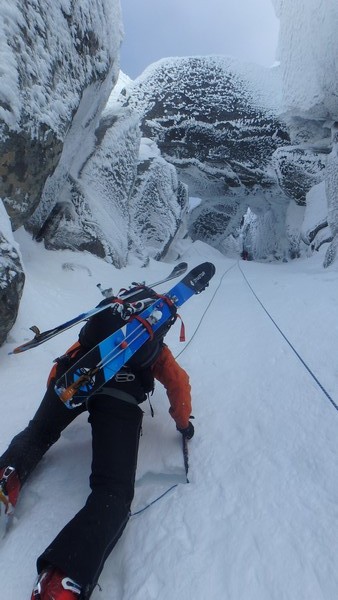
<point x="289" y="343"/>
<point x="206" y="309"/>
<point x="184" y="441"/>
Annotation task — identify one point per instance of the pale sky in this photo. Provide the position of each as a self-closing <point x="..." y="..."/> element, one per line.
<point x="154" y="29"/>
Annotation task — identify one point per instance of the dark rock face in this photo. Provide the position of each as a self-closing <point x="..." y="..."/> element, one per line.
<point x="25" y="164"/>
<point x="11" y="286"/>
<point x="66" y="226"/>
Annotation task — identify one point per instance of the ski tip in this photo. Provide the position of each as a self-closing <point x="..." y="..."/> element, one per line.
<point x="18" y="350"/>
<point x="198" y="278"/>
<point x="15" y="351"/>
<point x="208" y="268"/>
<point x="181" y="265"/>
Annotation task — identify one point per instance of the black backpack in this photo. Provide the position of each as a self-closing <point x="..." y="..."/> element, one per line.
<point x="101" y="325"/>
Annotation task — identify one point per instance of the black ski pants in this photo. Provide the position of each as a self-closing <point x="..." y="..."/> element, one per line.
<point x="83" y="545"/>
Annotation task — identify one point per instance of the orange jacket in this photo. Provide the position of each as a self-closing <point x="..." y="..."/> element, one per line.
<point x="176" y="382"/>
<point x="72" y="351"/>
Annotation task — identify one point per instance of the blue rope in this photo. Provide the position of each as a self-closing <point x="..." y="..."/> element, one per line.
<point x="291" y="346"/>
<point x="138" y="512"/>
<point x="206" y="309"/>
<point x="186" y="467"/>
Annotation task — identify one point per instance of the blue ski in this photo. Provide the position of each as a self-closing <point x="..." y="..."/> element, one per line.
<point x="133" y="295"/>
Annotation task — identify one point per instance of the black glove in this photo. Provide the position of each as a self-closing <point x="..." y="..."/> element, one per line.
<point x="187" y="432"/>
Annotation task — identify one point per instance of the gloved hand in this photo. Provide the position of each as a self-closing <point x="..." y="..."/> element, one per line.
<point x="187" y="432"/>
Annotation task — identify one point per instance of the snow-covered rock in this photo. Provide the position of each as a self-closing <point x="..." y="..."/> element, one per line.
<point x="308" y="54"/>
<point x="315" y="217"/>
<point x="157" y="207"/>
<point x="216" y="120"/>
<point x="91" y="211"/>
<point x="332" y="197"/>
<point x="52" y="53"/>
<point x="213" y="117"/>
<point x="298" y="170"/>
<point x="11" y="276"/>
<point x="125" y="199"/>
<point x="70" y="163"/>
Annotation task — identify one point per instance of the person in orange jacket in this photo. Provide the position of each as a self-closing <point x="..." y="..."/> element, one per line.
<point x="70" y="566"/>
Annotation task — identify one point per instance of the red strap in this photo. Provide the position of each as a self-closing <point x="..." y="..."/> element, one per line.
<point x="144" y="323"/>
<point x="182" y="330"/>
<point x="166" y="300"/>
<point x="116" y="300"/>
<point x="171" y="303"/>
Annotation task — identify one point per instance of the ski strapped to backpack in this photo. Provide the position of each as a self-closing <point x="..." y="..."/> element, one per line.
<point x="139" y="293"/>
<point x="104" y="360"/>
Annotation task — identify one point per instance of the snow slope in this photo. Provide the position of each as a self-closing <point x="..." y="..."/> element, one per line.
<point x="259" y="518"/>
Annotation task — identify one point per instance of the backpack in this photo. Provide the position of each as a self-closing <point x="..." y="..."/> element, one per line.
<point x="104" y="323"/>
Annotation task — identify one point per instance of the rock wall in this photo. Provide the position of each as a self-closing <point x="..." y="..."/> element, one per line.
<point x="12" y="276"/>
<point x="216" y="120"/>
<point x="308" y="51"/>
<point x="51" y="53"/>
<point x="70" y="172"/>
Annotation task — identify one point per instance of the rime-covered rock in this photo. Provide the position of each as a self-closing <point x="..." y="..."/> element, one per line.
<point x="70" y="170"/>
<point x="265" y="231"/>
<point x="127" y="198"/>
<point x="315" y="229"/>
<point x="52" y="55"/>
<point x="308" y="50"/>
<point x="214" y="220"/>
<point x="157" y="207"/>
<point x="214" y="118"/>
<point x="92" y="210"/>
<point x="11" y="276"/>
<point x="298" y="170"/>
<point x="332" y="198"/>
